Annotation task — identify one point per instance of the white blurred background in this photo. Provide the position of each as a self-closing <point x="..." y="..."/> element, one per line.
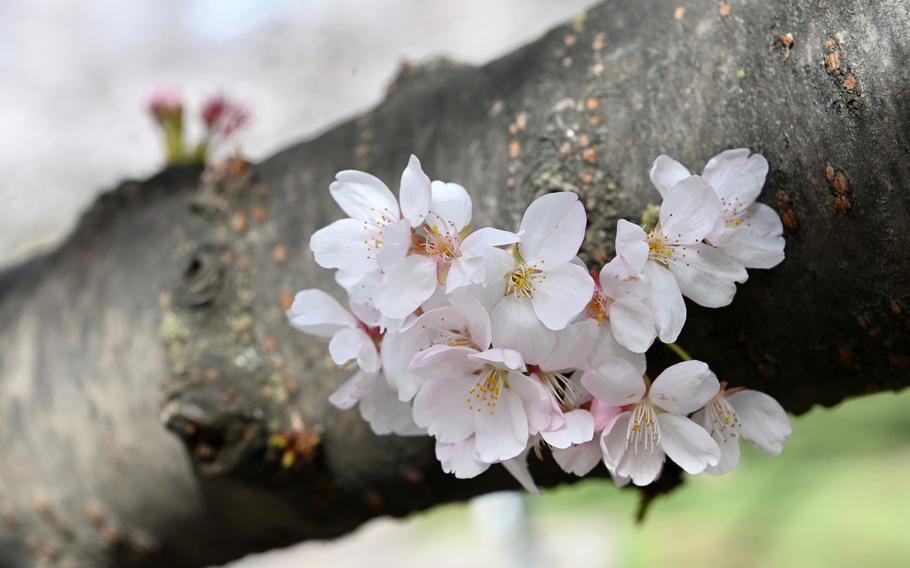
<point x="75" y="75"/>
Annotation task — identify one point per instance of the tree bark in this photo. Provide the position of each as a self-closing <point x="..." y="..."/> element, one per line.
<point x="165" y="307"/>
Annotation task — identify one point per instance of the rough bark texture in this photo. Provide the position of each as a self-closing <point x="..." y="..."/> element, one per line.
<point x="162" y="314"/>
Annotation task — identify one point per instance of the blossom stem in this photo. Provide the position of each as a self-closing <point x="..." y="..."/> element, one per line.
<point x="682" y="353"/>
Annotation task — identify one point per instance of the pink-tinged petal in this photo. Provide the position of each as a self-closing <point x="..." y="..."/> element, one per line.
<point x="603" y="414"/>
<point x="518" y="468"/>
<point x="608" y="348"/>
<point x="515" y="326"/>
<point x="687" y="443"/>
<point x="488" y="237"/>
<point x="460" y="459"/>
<point x="689" y="212"/>
<point x="443" y="362"/>
<point x="535" y="398"/>
<point x="684" y="387"/>
<point x="440" y="406"/>
<point x="316" y="313"/>
<point x="578" y="429"/>
<point x="764" y="421"/>
<point x="613" y="440"/>
<point x="398" y="350"/>
<point x="574" y="346"/>
<point x="364" y="197"/>
<point x="705" y="275"/>
<point x="396" y="242"/>
<point x="451" y="205"/>
<point x="737" y="177"/>
<point x="414" y="193"/>
<point x="615" y="382"/>
<point x="502" y="431"/>
<point x="631" y="245"/>
<point x="552" y="230"/>
<point x="476" y="319"/>
<point x="347" y="245"/>
<point x="757" y="240"/>
<point x="578" y="460"/>
<point x="666" y="173"/>
<point x="354" y="344"/>
<point x="507" y="359"/>
<point x="446" y="318"/>
<point x="386" y="414"/>
<point x="633" y="324"/>
<point x="666" y="302"/>
<point x="483" y="265"/>
<point x="642" y="468"/>
<point x="561" y="294"/>
<point x="406" y="286"/>
<point x="352" y="390"/>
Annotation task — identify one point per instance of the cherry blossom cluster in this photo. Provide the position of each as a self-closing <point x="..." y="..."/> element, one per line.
<point x="221" y="118"/>
<point x="498" y="343"/>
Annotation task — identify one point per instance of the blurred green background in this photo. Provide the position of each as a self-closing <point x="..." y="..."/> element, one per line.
<point x="837" y="496"/>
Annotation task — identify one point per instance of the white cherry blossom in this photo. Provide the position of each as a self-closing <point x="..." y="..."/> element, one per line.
<point x="355" y="243"/>
<point x="316" y="313"/>
<point x="620" y="305"/>
<point x="742" y="413"/>
<point x="546" y="289"/>
<point x="749" y="232"/>
<point x="377" y="403"/>
<point x="653" y="423"/>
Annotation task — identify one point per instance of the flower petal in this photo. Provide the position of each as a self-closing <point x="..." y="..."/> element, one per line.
<point x="398" y="350"/>
<point x="316" y="313"/>
<point x="764" y="421"/>
<point x="642" y="468"/>
<point x="347" y="245"/>
<point x="666" y="302"/>
<point x="615" y="382"/>
<point x="386" y="414"/>
<point x="354" y="344"/>
<point x="684" y="387"/>
<point x="613" y="440"/>
<point x="631" y="245"/>
<point x="689" y="212"/>
<point x="666" y="173"/>
<point x="396" y="242"/>
<point x="364" y="197"/>
<point x="440" y="407"/>
<point x="414" y="193"/>
<point x="502" y="432"/>
<point x="476" y="319"/>
<point x="728" y="443"/>
<point x="574" y="345"/>
<point x="442" y="362"/>
<point x="552" y="230"/>
<point x="705" y="275"/>
<point x="633" y="324"/>
<point x="561" y="294"/>
<point x="516" y="326"/>
<point x="757" y="241"/>
<point x="488" y="237"/>
<point x="578" y="429"/>
<point x="460" y="459"/>
<point x="518" y="468"/>
<point x="406" y="285"/>
<point x="352" y="390"/>
<point x="608" y="348"/>
<point x="737" y="177"/>
<point x="450" y="204"/>
<point x="506" y="359"/>
<point x="578" y="460"/>
<point x="687" y="443"/>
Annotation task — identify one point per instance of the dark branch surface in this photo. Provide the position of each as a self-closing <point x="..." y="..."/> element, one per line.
<point x="147" y="368"/>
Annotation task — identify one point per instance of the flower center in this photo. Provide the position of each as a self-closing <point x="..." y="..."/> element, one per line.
<point x="560" y="387"/>
<point x="643" y="434"/>
<point x="519" y="282"/>
<point x="599" y="307"/>
<point x="443" y="246"/>
<point x="658" y="248"/>
<point x="485" y="392"/>
<point x="721" y="420"/>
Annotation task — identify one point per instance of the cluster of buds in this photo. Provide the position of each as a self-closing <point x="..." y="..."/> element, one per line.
<point x="497" y="343"/>
<point x="221" y="118"/>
